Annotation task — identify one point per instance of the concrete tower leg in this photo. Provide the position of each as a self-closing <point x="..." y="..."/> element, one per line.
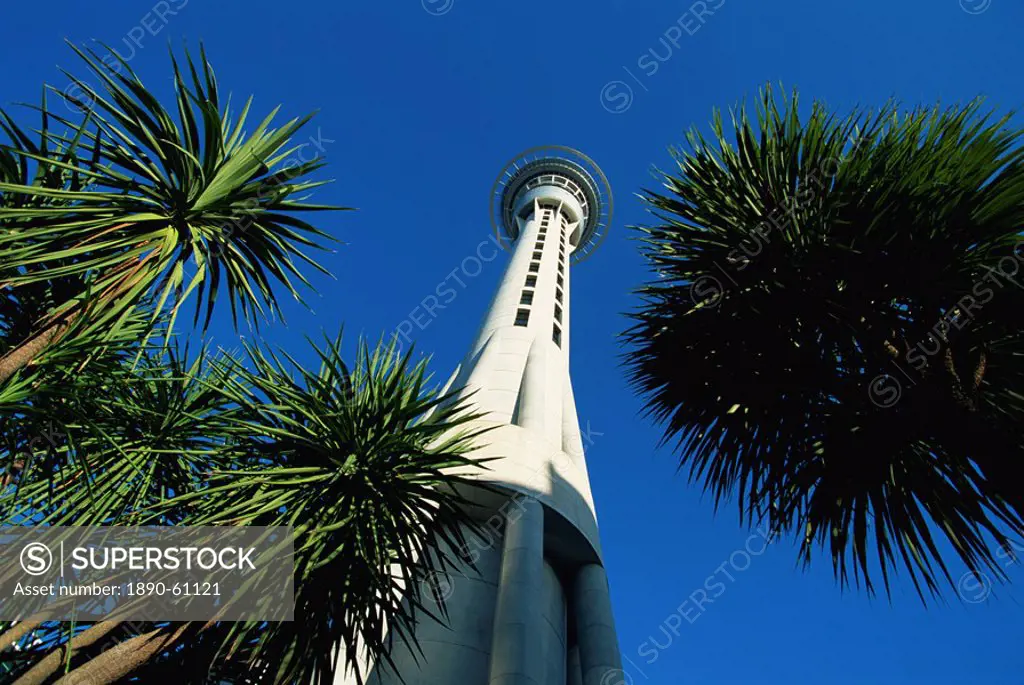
<point x="575" y="676"/>
<point x="517" y="647"/>
<point x="600" y="661"/>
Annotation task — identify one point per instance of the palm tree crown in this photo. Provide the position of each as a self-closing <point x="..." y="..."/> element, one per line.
<point x="834" y="334"/>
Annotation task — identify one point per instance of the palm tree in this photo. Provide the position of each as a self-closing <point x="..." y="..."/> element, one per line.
<point x="834" y="334"/>
<point x="100" y="225"/>
<point x="132" y="196"/>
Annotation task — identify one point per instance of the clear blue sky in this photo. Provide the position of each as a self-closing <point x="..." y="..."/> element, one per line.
<point x="421" y="103"/>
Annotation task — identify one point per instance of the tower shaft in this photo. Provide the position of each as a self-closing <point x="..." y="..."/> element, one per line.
<point x="536" y="610"/>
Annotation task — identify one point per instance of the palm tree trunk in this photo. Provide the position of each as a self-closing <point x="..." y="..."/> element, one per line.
<point x="22" y="355"/>
<point x="18" y="631"/>
<point x="117" y="662"/>
<point x="51" y="663"/>
<point x="18" y="358"/>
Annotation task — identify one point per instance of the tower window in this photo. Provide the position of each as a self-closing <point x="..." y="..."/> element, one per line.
<point x="561" y="268"/>
<point x="558" y="295"/>
<point x="561" y="281"/>
<point x="558" y="311"/>
<point x="522" y="317"/>
<point x="536" y="255"/>
<point x="531" y="281"/>
<point x="535" y="267"/>
<point x="527" y="297"/>
<point x="556" y="334"/>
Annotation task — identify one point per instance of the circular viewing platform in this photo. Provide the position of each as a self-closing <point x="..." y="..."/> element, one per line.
<point x="558" y="167"/>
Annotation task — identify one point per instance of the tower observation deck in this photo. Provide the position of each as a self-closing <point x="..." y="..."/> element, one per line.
<point x="537" y="609"/>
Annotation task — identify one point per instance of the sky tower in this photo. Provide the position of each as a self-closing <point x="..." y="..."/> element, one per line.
<point x="538" y="610"/>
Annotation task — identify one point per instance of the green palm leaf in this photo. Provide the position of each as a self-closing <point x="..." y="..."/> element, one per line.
<point x="360" y="461"/>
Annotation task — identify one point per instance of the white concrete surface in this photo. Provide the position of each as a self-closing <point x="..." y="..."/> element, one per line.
<point x="517" y="649"/>
<point x="600" y="660"/>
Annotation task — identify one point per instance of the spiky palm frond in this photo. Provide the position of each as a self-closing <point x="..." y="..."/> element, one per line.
<point x="811" y="273"/>
<point x="132" y="436"/>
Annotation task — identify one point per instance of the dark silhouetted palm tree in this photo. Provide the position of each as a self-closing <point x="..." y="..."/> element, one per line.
<point x="833" y="337"/>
